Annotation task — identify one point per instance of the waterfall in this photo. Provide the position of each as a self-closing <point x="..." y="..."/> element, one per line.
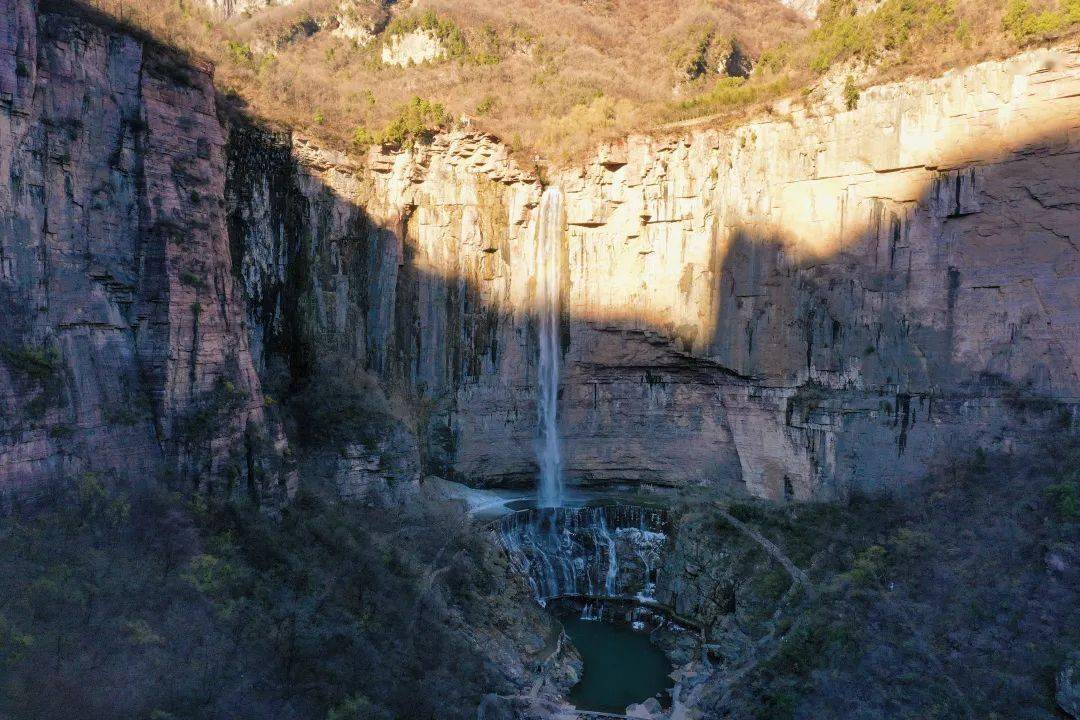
<point x="548" y="267"/>
<point x="597" y="552"/>
<point x="612" y="574"/>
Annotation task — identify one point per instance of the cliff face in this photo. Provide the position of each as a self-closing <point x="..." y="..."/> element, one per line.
<point x="888" y="281"/>
<point x="124" y="341"/>
<point x="808" y="305"/>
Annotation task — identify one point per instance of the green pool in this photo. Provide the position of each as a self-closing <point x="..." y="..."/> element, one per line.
<point x="621" y="665"/>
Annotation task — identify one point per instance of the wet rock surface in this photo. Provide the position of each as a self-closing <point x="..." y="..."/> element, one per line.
<point x="601" y="552"/>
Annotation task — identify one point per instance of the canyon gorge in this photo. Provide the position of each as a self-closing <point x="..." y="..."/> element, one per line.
<point x="815" y="306"/>
<point x="803" y="306"/>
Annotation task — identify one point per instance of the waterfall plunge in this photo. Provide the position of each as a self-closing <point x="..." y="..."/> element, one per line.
<point x="548" y="267"/>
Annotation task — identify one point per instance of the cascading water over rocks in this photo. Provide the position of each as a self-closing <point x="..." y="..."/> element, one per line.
<point x="600" y="552"/>
<point x="596" y="552"/>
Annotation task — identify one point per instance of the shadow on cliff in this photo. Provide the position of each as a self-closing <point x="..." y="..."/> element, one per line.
<point x="924" y="292"/>
<point x="780" y="311"/>
<point x="905" y="293"/>
<point x="114" y="21"/>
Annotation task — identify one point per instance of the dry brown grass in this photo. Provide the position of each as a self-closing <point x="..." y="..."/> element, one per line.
<point x="555" y="77"/>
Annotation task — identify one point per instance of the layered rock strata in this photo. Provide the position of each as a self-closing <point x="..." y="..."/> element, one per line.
<point x="124" y="345"/>
<point x="806" y="305"/>
<point x="803" y="306"/>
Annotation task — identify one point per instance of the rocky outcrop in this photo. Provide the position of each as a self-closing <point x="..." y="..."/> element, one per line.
<point x="412" y="48"/>
<point x="386" y="474"/>
<point x="806" y="305"/>
<point x="807" y="8"/>
<point x="229" y="8"/>
<point x="125" y="347"/>
<point x="360" y="21"/>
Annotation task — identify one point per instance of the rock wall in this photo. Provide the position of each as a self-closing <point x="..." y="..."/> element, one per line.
<point x="805" y="305"/>
<point x="412" y="48"/>
<point x="890" y="282"/>
<point x="124" y="346"/>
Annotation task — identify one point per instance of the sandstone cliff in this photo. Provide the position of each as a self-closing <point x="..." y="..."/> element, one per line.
<point x="810" y="304"/>
<point x="814" y="303"/>
<point x="124" y="341"/>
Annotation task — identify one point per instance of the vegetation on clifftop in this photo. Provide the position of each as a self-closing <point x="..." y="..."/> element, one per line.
<point x="568" y="75"/>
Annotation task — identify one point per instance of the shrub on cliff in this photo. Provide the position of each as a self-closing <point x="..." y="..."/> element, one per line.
<point x="205" y="417"/>
<point x="341" y="403"/>
<point x="362" y="138"/>
<point x="1064" y="492"/>
<point x="448" y="33"/>
<point x="36" y="363"/>
<point x="851" y="93"/>
<point x="41" y="366"/>
<point x="1026" y="23"/>
<point x="706" y="50"/>
<point x="416" y="121"/>
<point x="894" y="27"/>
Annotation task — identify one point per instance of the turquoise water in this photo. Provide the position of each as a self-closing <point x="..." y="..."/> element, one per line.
<point x="621" y="665"/>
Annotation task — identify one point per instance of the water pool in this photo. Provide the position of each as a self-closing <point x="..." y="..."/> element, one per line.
<point x="621" y="665"/>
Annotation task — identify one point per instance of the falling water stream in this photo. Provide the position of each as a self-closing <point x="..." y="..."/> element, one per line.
<point x="591" y="553"/>
<point x="548" y="267"/>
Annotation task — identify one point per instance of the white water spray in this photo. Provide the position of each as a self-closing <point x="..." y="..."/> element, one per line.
<point x="548" y="266"/>
<point x="586" y="552"/>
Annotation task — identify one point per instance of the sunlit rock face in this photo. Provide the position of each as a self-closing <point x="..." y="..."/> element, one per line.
<point x="807" y="8"/>
<point x="412" y="48"/>
<point x="805" y="305"/>
<point x="123" y="350"/>
<point x="230" y="8"/>
<point x="359" y="21"/>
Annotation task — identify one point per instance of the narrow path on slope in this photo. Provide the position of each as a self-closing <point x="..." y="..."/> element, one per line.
<point x="770" y="547"/>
